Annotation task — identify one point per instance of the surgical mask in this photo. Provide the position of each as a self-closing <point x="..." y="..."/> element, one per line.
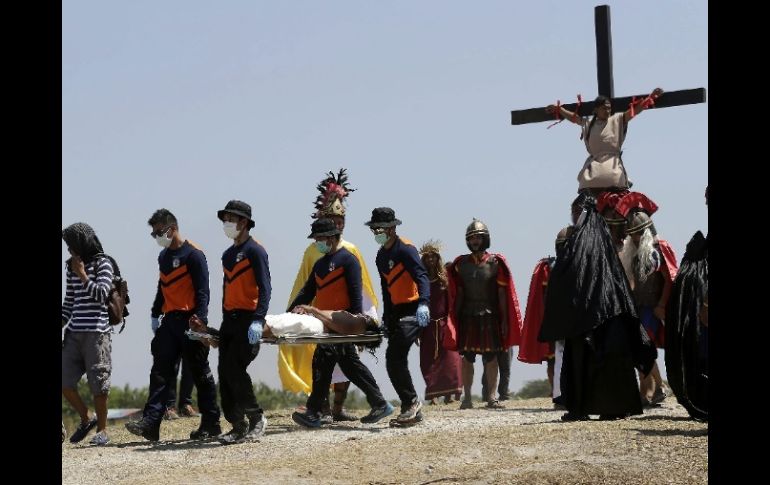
<point x="381" y="238"/>
<point x="163" y="241"/>
<point x="231" y="229"/>
<point x="322" y="247"/>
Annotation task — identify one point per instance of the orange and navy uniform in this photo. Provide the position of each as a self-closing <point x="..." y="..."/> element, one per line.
<point x="184" y="282"/>
<point x="246" y="284"/>
<point x="335" y="283"/>
<point x="403" y="278"/>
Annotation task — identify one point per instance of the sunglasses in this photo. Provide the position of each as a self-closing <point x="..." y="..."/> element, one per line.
<point x="160" y="233"/>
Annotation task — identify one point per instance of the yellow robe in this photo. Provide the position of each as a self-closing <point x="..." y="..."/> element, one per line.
<point x="295" y="362"/>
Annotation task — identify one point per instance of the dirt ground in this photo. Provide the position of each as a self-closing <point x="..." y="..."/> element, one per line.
<point x="524" y="443"/>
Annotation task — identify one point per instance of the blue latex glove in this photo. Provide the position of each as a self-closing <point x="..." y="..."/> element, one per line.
<point x="422" y="315"/>
<point x="154" y="324"/>
<point x="255" y="331"/>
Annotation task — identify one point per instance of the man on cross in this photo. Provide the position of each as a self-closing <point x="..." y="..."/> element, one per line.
<point x="603" y="135"/>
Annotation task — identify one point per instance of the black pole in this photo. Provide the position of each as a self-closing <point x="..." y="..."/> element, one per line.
<point x="604" y="51"/>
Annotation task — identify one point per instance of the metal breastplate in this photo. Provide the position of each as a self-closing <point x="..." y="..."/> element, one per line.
<point x="479" y="287"/>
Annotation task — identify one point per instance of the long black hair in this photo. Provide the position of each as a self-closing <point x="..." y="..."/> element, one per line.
<point x="600" y="100"/>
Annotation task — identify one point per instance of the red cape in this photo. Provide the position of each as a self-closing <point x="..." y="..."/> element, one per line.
<point x="531" y="351"/>
<point x="670" y="267"/>
<point x="514" y="311"/>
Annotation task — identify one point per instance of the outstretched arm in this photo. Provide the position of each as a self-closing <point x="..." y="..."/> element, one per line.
<point x="641" y="105"/>
<point x="565" y="113"/>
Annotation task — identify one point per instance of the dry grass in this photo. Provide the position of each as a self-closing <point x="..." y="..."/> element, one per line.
<point x="524" y="443"/>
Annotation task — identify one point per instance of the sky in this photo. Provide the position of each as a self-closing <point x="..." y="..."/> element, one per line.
<point x="186" y="105"/>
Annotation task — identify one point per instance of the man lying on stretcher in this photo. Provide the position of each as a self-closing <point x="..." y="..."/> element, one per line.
<point x="340" y="321"/>
<point x="304" y="320"/>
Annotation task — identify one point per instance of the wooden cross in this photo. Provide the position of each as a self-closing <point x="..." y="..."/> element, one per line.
<point x="606" y="84"/>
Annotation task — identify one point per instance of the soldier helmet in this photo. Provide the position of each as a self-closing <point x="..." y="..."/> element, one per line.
<point x="638" y="221"/>
<point x="478" y="228"/>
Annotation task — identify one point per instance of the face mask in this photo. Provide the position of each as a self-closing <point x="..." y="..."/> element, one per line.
<point x="163" y="241"/>
<point x="322" y="247"/>
<point x="381" y="238"/>
<point x="231" y="230"/>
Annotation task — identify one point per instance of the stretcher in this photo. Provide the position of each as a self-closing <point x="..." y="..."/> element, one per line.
<point x="322" y="338"/>
<point x="192" y="335"/>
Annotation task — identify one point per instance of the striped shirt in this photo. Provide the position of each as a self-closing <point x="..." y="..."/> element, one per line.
<point x="85" y="305"/>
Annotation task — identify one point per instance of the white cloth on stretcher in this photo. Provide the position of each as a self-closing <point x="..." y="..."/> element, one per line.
<point x="296" y="324"/>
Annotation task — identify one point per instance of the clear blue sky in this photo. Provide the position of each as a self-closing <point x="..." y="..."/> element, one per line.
<point x="188" y="104"/>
